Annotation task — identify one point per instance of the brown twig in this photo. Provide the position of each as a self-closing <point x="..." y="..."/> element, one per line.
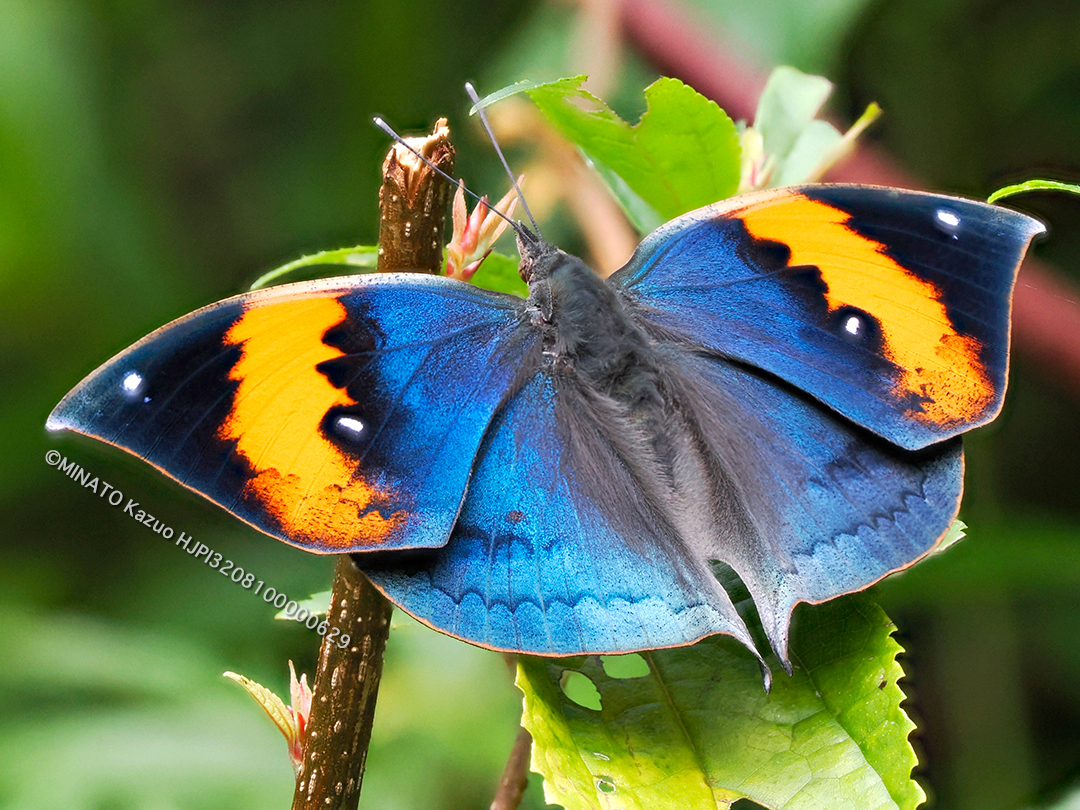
<point x="412" y="204"/>
<point x="515" y="776"/>
<point x="344" y="693"/>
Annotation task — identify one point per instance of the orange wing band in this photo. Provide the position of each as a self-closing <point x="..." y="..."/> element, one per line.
<point x="935" y="364"/>
<point x="311" y="488"/>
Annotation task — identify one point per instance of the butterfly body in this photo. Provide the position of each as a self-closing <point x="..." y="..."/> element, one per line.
<point x="776" y="384"/>
<point x="592" y="345"/>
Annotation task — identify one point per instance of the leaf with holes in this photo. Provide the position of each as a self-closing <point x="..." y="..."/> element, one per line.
<point x="691" y="727"/>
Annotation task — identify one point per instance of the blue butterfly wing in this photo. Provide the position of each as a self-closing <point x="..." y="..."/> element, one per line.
<point x="824" y="507"/>
<point x="337" y="416"/>
<point x="820" y="348"/>
<point x="557" y="550"/>
<point x="891" y="307"/>
<point x="561" y="549"/>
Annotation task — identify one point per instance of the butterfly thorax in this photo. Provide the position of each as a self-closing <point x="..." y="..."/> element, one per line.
<point x="587" y="332"/>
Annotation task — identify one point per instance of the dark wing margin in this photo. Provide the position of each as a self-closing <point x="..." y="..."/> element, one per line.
<point x="891" y="307"/>
<point x="337" y="415"/>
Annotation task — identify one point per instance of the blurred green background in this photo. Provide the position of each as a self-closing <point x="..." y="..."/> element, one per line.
<point x="157" y="156"/>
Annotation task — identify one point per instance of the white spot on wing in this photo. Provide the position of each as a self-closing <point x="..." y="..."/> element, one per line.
<point x="948" y="218"/>
<point x="350" y="426"/>
<point x="948" y="222"/>
<point x="132" y="382"/>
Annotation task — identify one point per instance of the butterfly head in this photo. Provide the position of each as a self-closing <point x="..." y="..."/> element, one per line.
<point x="537" y="256"/>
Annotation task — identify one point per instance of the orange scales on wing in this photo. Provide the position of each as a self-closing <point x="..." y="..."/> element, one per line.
<point x="935" y="363"/>
<point x="307" y="483"/>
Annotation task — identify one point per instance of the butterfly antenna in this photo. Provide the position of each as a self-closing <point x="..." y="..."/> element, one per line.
<point x="517" y="226"/>
<point x="487" y="128"/>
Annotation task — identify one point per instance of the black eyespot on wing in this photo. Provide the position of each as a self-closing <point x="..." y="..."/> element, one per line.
<point x="857" y="327"/>
<point x="349" y="428"/>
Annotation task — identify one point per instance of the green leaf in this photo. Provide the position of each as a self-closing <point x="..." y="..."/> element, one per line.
<point x="641" y="215"/>
<point x="683" y="154"/>
<point x="849" y="655"/>
<point x="363" y="258"/>
<point x="957" y="531"/>
<point x="1033" y="185"/>
<point x="698" y="730"/>
<point x="788" y="105"/>
<point x="511" y="90"/>
<point x="800" y="165"/>
<point x="499" y="272"/>
<point x="799" y="146"/>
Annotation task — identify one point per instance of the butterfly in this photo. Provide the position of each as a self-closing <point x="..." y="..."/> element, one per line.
<point x="776" y="383"/>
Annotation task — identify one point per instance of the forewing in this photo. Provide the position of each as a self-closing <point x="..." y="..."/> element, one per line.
<point x="558" y="550"/>
<point x="337" y="416"/>
<point x="891" y="307"/>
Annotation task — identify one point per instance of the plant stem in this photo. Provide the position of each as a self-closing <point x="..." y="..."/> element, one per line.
<point x="412" y="203"/>
<point x="515" y="775"/>
<point x="346" y="686"/>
